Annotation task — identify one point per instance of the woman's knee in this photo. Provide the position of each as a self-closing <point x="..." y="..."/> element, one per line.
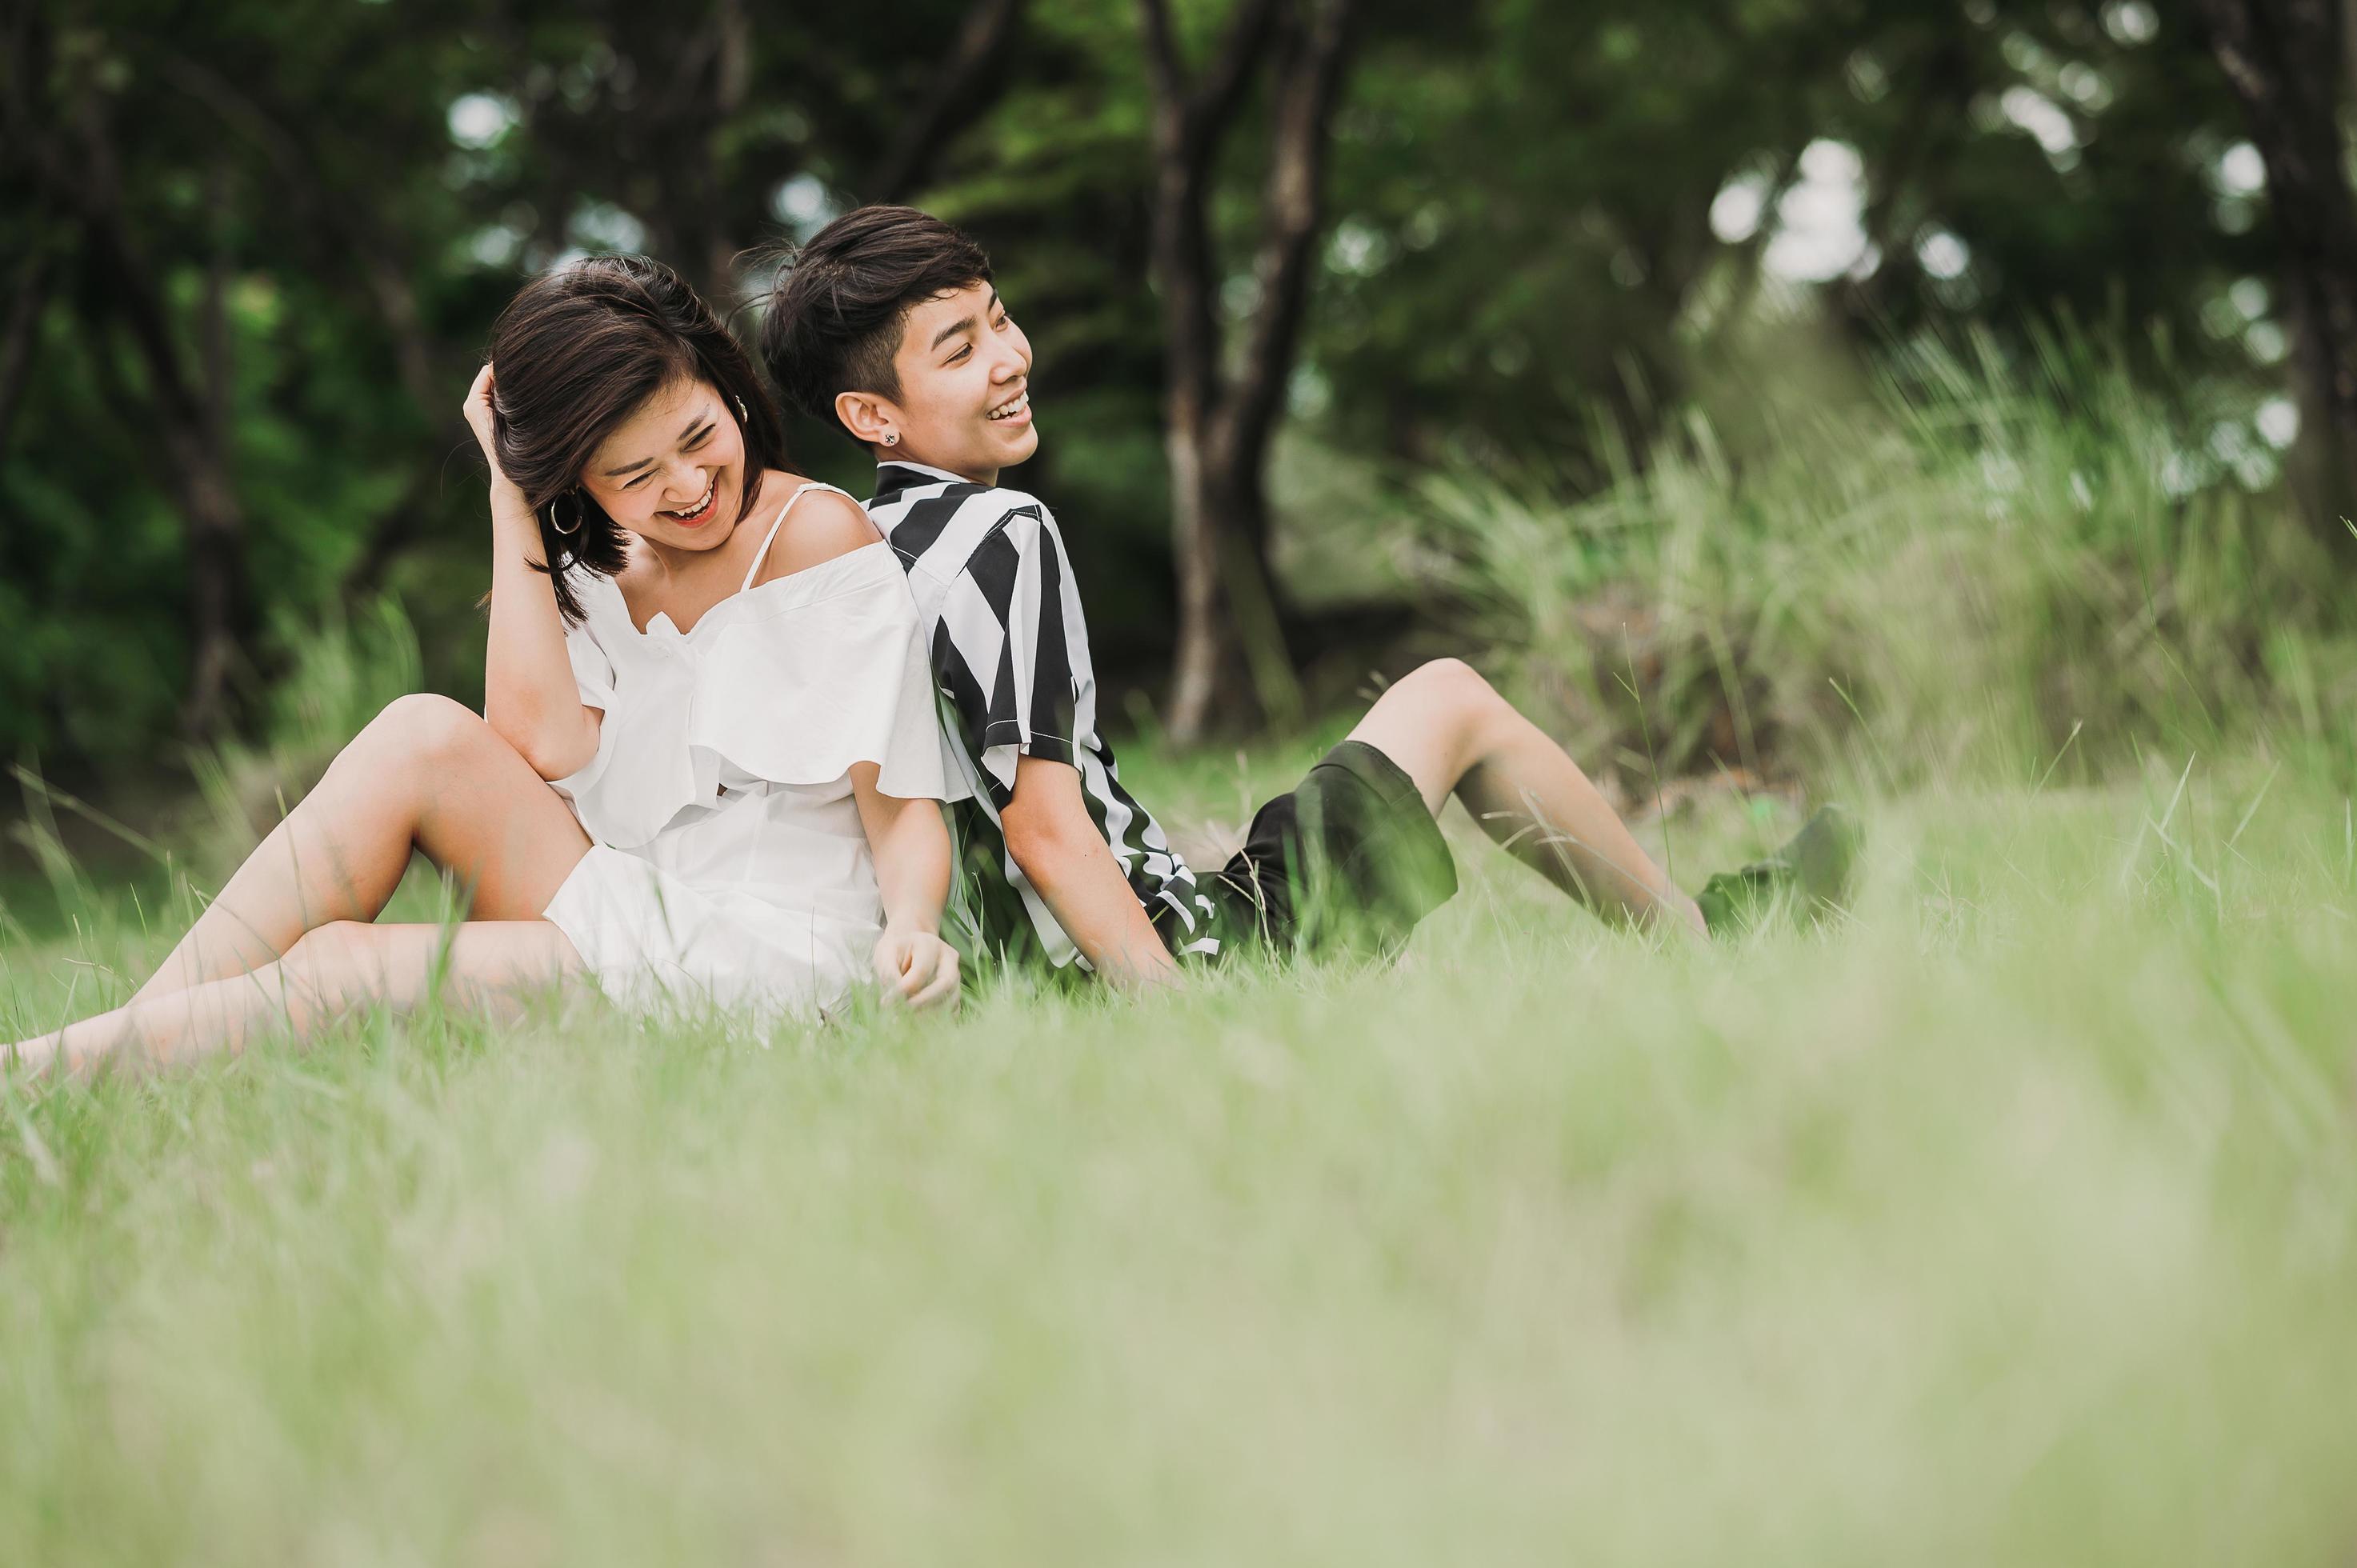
<point x="326" y="953"/>
<point x="428" y="722"/>
<point x="430" y="733"/>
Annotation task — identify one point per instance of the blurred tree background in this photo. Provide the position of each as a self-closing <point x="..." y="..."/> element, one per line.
<point x="1278" y="257"/>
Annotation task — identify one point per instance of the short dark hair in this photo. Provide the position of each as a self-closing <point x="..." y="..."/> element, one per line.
<point x="573" y="357"/>
<point x="837" y="307"/>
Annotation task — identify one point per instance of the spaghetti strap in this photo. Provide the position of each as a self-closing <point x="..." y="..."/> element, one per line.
<point x="763" y="553"/>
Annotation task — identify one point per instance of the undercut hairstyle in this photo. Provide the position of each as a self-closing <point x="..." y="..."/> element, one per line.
<point x="840" y="301"/>
<point x="575" y="354"/>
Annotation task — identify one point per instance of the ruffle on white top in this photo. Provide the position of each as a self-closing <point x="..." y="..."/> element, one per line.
<point x="792" y="681"/>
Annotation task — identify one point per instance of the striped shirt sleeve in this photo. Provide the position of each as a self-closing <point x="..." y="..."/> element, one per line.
<point x="1012" y="650"/>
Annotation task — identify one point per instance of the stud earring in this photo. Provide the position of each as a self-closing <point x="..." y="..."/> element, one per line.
<point x="891" y="438"/>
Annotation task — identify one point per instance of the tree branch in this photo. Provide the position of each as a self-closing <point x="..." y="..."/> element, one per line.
<point x="25" y="306"/>
<point x="1292" y="203"/>
<point x="964" y="84"/>
<point x="1164" y="70"/>
<point x="1220" y="91"/>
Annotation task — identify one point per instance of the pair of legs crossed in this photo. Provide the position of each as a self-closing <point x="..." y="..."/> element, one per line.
<point x="290" y="942"/>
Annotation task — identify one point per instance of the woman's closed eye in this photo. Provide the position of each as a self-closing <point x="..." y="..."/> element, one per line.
<point x="703" y="439"/>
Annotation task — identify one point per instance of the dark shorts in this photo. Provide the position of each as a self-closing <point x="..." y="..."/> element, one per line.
<point x="1348" y="860"/>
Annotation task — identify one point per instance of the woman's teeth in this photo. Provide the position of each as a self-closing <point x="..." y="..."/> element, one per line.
<point x="683" y="513"/>
<point x="1009" y="410"/>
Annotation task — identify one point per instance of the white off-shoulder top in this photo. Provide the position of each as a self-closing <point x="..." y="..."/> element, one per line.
<point x="728" y="862"/>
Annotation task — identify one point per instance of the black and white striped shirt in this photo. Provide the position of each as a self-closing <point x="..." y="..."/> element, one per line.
<point x="1010" y="654"/>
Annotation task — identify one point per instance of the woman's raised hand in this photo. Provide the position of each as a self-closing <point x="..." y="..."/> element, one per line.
<point x="478" y="420"/>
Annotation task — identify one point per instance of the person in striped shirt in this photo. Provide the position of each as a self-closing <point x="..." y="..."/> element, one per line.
<point x="888" y="323"/>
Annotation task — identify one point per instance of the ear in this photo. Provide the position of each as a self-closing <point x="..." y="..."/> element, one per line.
<point x="869" y="417"/>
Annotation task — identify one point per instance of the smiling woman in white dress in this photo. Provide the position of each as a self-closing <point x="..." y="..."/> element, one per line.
<point x="708" y="769"/>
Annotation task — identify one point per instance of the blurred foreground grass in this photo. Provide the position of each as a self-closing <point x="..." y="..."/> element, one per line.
<point x="2012" y="1222"/>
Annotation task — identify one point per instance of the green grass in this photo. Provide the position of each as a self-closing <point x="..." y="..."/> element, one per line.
<point x="2012" y="1222"/>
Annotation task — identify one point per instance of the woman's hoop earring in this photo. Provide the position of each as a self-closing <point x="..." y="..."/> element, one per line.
<point x="744" y="414"/>
<point x="578" y="516"/>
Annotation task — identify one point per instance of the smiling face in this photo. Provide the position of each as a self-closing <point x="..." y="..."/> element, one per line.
<point x="965" y="369"/>
<point x="674" y="471"/>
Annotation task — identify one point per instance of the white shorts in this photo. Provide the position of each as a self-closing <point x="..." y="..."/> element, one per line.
<point x="653" y="942"/>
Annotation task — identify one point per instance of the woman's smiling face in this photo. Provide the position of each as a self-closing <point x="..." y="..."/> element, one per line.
<point x="674" y="471"/>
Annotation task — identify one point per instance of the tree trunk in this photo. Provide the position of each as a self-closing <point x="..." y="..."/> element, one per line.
<point x="375" y="256"/>
<point x="1231" y="658"/>
<point x="2283" y="58"/>
<point x="194" y="463"/>
<point x="1197" y="675"/>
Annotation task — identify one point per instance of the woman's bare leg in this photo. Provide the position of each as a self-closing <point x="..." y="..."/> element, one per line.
<point x="325" y="973"/>
<point x="427" y="774"/>
<point x="1453" y="734"/>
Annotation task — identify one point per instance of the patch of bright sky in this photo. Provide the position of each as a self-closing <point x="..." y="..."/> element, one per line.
<point x="1867" y="79"/>
<point x="2241" y="170"/>
<point x="1820" y="232"/>
<point x="1735" y="210"/>
<point x="479" y="119"/>
<point x="1357" y="248"/>
<point x="1942" y="254"/>
<point x="602" y="226"/>
<point x="2086" y="86"/>
<point x="2131" y="21"/>
<point x="2278" y="422"/>
<point x="496" y="246"/>
<point x="804" y="205"/>
<point x="2043" y="119"/>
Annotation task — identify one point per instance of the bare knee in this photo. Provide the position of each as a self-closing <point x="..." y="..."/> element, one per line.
<point x="1457" y="696"/>
<point x="430" y="727"/>
<point x="325" y="954"/>
<point x="422" y="738"/>
<point x="1446" y="679"/>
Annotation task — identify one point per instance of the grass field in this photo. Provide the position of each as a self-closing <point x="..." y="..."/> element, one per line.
<point x="2011" y="1221"/>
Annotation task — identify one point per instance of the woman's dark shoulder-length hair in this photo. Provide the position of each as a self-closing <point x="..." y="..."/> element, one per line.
<point x="573" y="357"/>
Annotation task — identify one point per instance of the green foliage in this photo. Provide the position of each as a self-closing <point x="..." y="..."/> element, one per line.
<point x="1980" y="564"/>
<point x="1524" y="200"/>
<point x="341" y="674"/>
<point x="1522" y="231"/>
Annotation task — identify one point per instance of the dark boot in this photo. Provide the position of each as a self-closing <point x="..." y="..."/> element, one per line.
<point x="1811" y="877"/>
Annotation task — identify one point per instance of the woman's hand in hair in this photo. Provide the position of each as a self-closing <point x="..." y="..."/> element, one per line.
<point x="478" y="420"/>
<point x="530" y="695"/>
